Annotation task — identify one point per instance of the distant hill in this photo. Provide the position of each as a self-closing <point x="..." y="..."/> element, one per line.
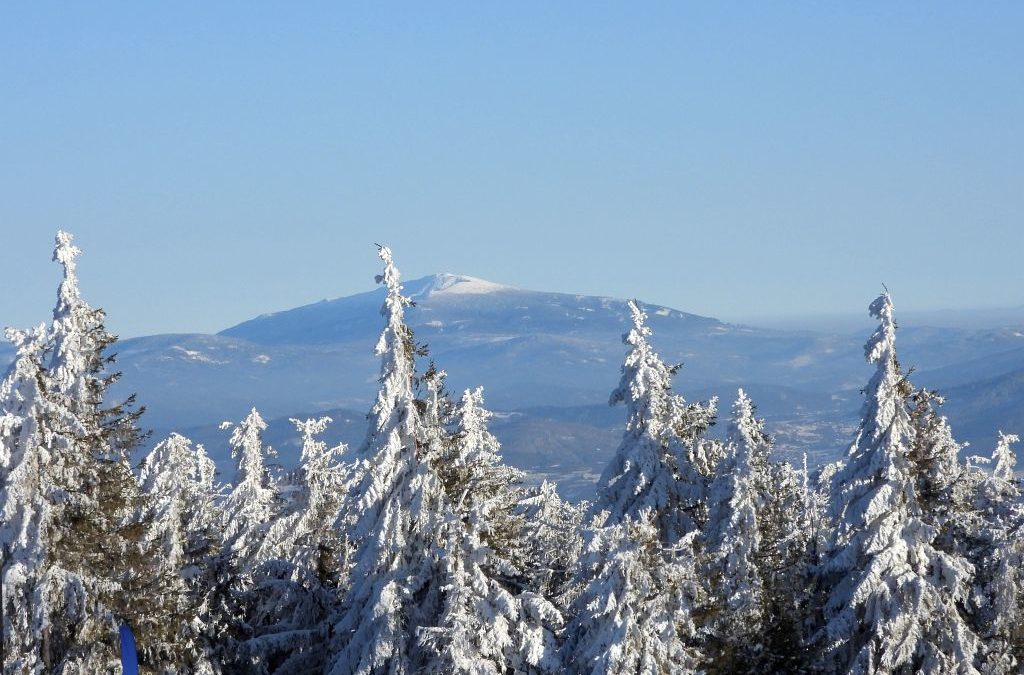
<point x="547" y="362"/>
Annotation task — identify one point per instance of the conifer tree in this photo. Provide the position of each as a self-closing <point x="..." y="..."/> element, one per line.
<point x="212" y="572"/>
<point x="936" y="455"/>
<point x="634" y="612"/>
<point x="788" y="556"/>
<point x="82" y="564"/>
<point x="250" y="505"/>
<point x="398" y="516"/>
<point x="894" y="600"/>
<point x="734" y="541"/>
<point x="487" y="623"/>
<point x="298" y="584"/>
<point x="479" y="484"/>
<point x="757" y="555"/>
<point x="477" y="624"/>
<point x="24" y="510"/>
<point x="552" y="537"/>
<point x="253" y="540"/>
<point x="492" y="619"/>
<point x="656" y="468"/>
<point x="434" y="524"/>
<point x="318" y="546"/>
<point x="997" y="544"/>
<point x="652" y="499"/>
<point x="185" y="530"/>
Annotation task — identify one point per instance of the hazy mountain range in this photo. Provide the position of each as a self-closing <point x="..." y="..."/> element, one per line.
<point x="547" y="362"/>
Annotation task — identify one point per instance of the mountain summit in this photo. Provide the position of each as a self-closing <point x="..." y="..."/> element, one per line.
<point x="448" y="302"/>
<point x="454" y="284"/>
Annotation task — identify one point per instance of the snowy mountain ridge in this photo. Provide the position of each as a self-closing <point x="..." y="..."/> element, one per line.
<point x="491" y="307"/>
<point x="553" y="357"/>
<point x="458" y="284"/>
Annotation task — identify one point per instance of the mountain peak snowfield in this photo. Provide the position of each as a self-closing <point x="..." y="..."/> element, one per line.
<point x="458" y="284"/>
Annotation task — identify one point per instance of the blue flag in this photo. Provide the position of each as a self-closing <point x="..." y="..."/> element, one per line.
<point x="129" y="659"/>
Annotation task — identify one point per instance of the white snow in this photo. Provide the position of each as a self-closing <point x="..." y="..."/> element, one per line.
<point x="194" y="355"/>
<point x="459" y="284"/>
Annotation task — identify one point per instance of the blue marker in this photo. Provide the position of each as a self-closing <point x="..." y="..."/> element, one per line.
<point x="129" y="658"/>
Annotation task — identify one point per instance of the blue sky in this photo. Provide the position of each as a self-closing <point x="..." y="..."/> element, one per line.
<point x="736" y="160"/>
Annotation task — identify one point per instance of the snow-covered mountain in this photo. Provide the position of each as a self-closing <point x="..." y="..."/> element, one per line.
<point x="547" y="362"/>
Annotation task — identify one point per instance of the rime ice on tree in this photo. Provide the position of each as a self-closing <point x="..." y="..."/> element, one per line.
<point x="733" y="532"/>
<point x="653" y="470"/>
<point x="894" y="598"/>
<point x="249" y="506"/>
<point x="68" y="536"/>
<point x="398" y="515"/>
<point x="634" y="612"/>
<point x="25" y="513"/>
<point x="177" y="479"/>
<point x="489" y="622"/>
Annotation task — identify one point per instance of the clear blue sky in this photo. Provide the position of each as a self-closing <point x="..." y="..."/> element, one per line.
<point x="734" y="160"/>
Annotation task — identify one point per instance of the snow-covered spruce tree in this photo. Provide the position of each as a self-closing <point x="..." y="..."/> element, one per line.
<point x="250" y="506"/>
<point x="788" y="555"/>
<point x="658" y="479"/>
<point x="756" y="543"/>
<point x="97" y="536"/>
<point x="937" y="456"/>
<point x="633" y="614"/>
<point x="997" y="548"/>
<point x="492" y="619"/>
<point x="319" y="548"/>
<point x="305" y="560"/>
<point x="24" y="512"/>
<point x="478" y="618"/>
<point x="211" y="581"/>
<point x="83" y="565"/>
<point x="210" y="577"/>
<point x="484" y="490"/>
<point x="399" y="513"/>
<point x="968" y="507"/>
<point x="894" y="600"/>
<point x="552" y="535"/>
<point x="657" y="466"/>
<point x="250" y="510"/>
<point x="733" y="542"/>
<point x="488" y="624"/>
<point x="432" y="508"/>
<point x="184" y="528"/>
<point x="474" y="477"/>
